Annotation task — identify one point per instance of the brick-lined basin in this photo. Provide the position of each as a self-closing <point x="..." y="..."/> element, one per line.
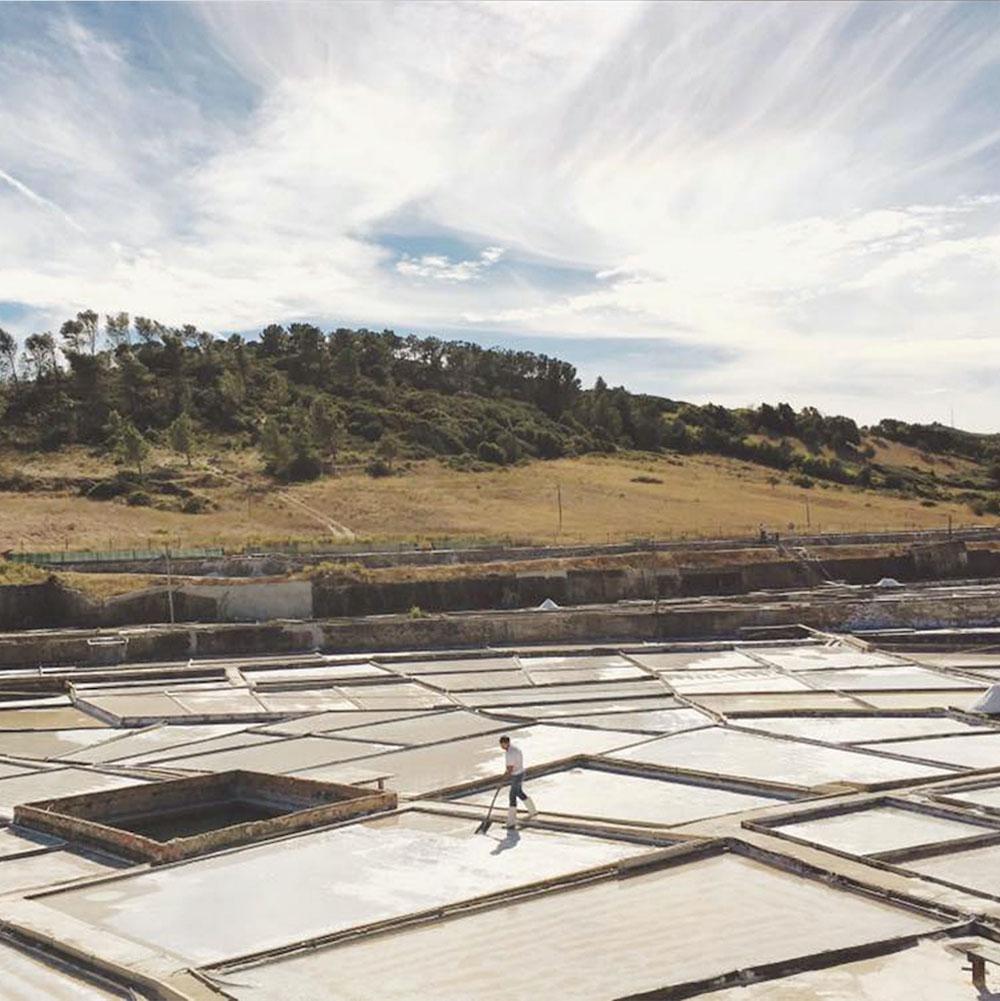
<point x="181" y="818"/>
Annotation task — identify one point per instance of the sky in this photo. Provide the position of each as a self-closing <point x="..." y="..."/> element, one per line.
<point x="718" y="202"/>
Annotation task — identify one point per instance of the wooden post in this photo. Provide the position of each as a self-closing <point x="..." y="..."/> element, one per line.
<point x="170" y="586"/>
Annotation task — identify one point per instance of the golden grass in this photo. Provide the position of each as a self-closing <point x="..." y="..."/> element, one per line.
<point x="698" y="496"/>
<point x="893" y="453"/>
<point x="20" y="573"/>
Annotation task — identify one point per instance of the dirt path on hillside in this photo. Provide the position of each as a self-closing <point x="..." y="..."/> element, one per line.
<point x="335" y="528"/>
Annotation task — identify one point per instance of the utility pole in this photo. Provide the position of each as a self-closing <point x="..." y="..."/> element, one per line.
<point x="170" y="585"/>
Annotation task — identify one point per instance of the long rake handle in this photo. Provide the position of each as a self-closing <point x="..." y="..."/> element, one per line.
<point x="489" y="813"/>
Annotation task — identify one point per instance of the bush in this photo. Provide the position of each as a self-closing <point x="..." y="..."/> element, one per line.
<point x="490" y="451"/>
<point x="465" y="463"/>
<point x="645" y="479"/>
<point x="378" y="468"/>
<point x="803" y="481"/>
<point x="196" y="504"/>
<point x="139" y="498"/>
<point x="304" y="466"/>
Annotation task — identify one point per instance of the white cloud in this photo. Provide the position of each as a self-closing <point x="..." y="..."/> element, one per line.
<point x="440" y="267"/>
<point x="808" y="190"/>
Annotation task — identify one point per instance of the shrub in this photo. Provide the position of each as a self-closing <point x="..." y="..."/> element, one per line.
<point x="645" y="479"/>
<point x="803" y="481"/>
<point x="304" y="466"/>
<point x="139" y="498"/>
<point x="377" y="468"/>
<point x="490" y="451"/>
<point x="196" y="504"/>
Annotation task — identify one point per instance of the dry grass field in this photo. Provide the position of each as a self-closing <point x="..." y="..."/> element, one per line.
<point x="603" y="499"/>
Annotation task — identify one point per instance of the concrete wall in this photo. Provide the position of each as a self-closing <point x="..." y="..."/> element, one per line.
<point x="274" y="564"/>
<point x="726" y="618"/>
<point x="51" y="606"/>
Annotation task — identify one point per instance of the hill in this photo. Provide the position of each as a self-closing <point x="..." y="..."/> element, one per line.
<point x="301" y="433"/>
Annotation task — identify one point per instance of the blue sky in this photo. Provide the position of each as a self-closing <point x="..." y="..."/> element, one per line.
<point x="728" y="202"/>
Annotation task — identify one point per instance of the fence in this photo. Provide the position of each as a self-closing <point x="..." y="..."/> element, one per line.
<point x="304" y="548"/>
<point x="67" y="556"/>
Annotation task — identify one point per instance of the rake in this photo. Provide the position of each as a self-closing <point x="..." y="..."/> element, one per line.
<point x="484" y="824"/>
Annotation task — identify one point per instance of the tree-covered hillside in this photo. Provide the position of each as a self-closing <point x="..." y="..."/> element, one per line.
<point x="309" y="400"/>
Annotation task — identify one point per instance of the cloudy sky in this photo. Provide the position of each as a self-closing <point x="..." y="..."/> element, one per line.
<point x="728" y="202"/>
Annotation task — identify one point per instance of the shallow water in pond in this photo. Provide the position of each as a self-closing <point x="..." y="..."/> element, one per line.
<point x="196" y="820"/>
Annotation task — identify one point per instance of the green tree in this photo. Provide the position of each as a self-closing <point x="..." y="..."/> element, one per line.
<point x="275" y="448"/>
<point x="126" y="441"/>
<point x="387" y="449"/>
<point x="181" y="435"/>
<point x="8" y="356"/>
<point x="40" y="355"/>
<point x="118" y="330"/>
<point x="326" y="424"/>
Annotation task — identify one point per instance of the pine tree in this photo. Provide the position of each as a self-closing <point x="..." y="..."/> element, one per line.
<point x="181" y="435"/>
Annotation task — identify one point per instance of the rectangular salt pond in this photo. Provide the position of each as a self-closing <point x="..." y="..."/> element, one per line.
<point x="927" y="971"/>
<point x="586" y="674"/>
<point x="976" y="869"/>
<point x="563" y="693"/>
<point x="973" y="751"/>
<point x="557" y="710"/>
<point x="696" y="660"/>
<point x="279" y="756"/>
<point x="61" y="718"/>
<point x="885" y="678"/>
<point x="125" y="744"/>
<point x="51" y="743"/>
<point x="613" y="938"/>
<point x="421" y="667"/>
<point x="596" y="662"/>
<point x="402" y="696"/>
<point x="54" y="783"/>
<point x="426" y="730"/>
<point x="476" y="680"/>
<point x="26" y="977"/>
<point x="304" y="701"/>
<point x="284" y="891"/>
<point x="819" y="658"/>
<point x="744" y="755"/>
<point x="777" y="702"/>
<point x="988" y="798"/>
<point x="857" y="729"/>
<point x="922" y="700"/>
<point x="629" y="799"/>
<point x="326" y="673"/>
<point x="338" y="720"/>
<point x="422" y="770"/>
<point x="657" y="721"/>
<point x="34" y="872"/>
<point x="879" y="829"/>
<point x="241" y="738"/>
<point x="757" y="679"/>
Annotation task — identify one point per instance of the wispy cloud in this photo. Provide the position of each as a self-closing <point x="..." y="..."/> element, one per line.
<point x="804" y="193"/>
<point x="440" y="267"/>
<point x="38" y="200"/>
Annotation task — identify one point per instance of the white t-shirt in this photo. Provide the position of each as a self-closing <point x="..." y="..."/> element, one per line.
<point x="514" y="759"/>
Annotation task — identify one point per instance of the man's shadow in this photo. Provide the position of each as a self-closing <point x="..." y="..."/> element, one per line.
<point x="511" y="840"/>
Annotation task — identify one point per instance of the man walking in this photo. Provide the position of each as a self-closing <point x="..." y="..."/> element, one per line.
<point x="515" y="770"/>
